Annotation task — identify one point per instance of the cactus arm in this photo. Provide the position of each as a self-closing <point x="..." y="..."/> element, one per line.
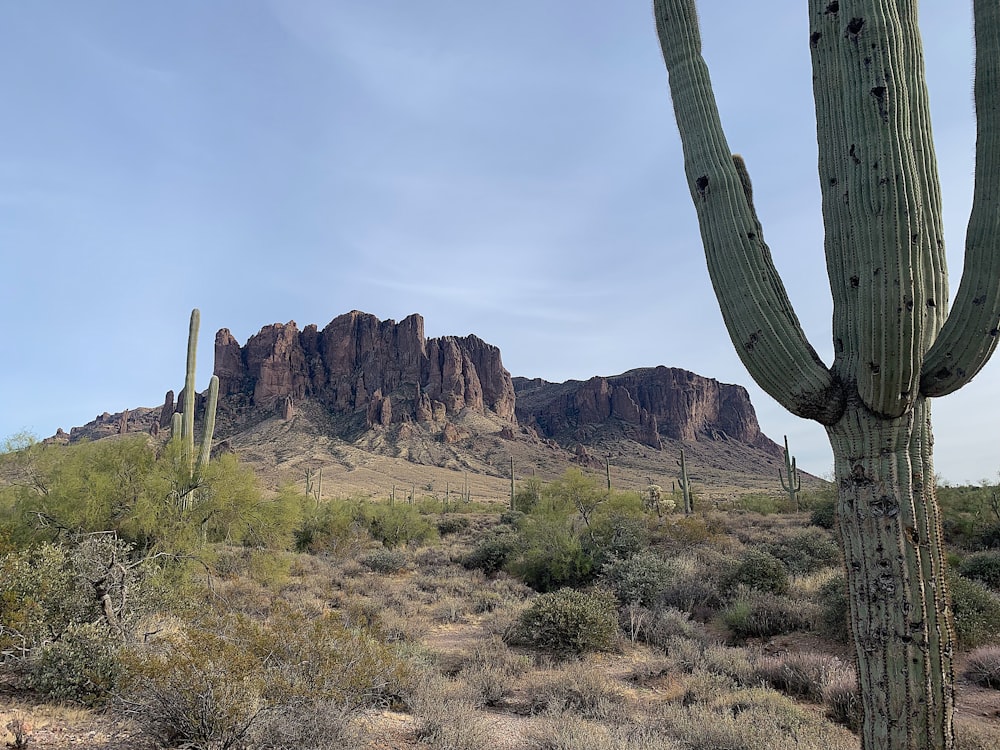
<point x="209" y="430"/>
<point x="970" y="333"/>
<point x="754" y="303"/>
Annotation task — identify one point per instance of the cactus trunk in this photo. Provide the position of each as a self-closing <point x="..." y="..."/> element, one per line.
<point x="896" y="344"/>
<point x="899" y="612"/>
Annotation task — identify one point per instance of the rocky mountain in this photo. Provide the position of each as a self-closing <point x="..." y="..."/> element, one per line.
<point x="378" y="402"/>
<point x="649" y="404"/>
<point x="370" y="372"/>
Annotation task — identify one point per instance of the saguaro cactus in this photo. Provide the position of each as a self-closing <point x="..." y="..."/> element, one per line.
<point x="186" y="421"/>
<point x="794" y="484"/>
<point x="895" y="346"/>
<point x="685" y="485"/>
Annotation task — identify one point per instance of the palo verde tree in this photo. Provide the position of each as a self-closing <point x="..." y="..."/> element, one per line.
<point x="896" y="345"/>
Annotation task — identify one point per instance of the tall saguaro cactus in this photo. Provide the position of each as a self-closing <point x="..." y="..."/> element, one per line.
<point x="895" y="346"/>
<point x="195" y="461"/>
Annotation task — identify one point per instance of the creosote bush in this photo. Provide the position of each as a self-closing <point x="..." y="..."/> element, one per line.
<point x="569" y="621"/>
<point x="638" y="579"/>
<point x="757" y="569"/>
<point x="983" y="667"/>
<point x="385" y="561"/>
<point x="81" y="667"/>
<point x="760" y="614"/>
<point x="221" y="683"/>
<point x="983" y="566"/>
<point x="976" y="612"/>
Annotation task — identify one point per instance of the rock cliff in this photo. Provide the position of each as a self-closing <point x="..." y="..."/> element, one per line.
<point x="380" y="371"/>
<point x="649" y="403"/>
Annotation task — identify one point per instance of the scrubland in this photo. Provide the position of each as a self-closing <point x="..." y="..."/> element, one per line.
<point x="580" y="619"/>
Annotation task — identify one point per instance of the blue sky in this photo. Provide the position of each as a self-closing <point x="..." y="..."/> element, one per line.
<point x="505" y="169"/>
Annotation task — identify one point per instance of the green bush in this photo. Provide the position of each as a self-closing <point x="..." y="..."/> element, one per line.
<point x="617" y="534"/>
<point x="983" y="567"/>
<point x="384" y="560"/>
<point x="551" y="555"/>
<point x="81" y="667"/>
<point x="805" y="551"/>
<point x="824" y="513"/>
<point x="757" y="569"/>
<point x="976" y="610"/>
<point x="394" y="525"/>
<point x="493" y="552"/>
<point x="834" y="609"/>
<point x="638" y="579"/>
<point x="569" y="621"/>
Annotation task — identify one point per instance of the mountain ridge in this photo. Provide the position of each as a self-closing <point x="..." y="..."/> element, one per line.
<point x="378" y="391"/>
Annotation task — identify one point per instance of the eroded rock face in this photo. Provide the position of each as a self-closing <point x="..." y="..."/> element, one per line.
<point x="651" y="402"/>
<point x="359" y="364"/>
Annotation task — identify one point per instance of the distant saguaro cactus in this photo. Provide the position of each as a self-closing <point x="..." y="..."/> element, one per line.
<point x="685" y="484"/>
<point x="794" y="484"/>
<point x="183" y="423"/>
<point x="896" y="345"/>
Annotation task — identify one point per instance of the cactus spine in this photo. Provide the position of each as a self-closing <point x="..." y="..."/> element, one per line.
<point x="685" y="485"/>
<point x="896" y="344"/>
<point x="794" y="485"/>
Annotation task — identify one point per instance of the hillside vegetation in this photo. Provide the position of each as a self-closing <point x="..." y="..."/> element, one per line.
<point x="137" y="611"/>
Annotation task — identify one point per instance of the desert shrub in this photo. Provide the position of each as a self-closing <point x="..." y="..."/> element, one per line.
<point x="800" y="674"/>
<point x="983" y="667"/>
<point x="81" y="667"/>
<point x="834" y="609"/>
<point x="223" y="682"/>
<point x="394" y="525"/>
<point x="983" y="567"/>
<point x="313" y="725"/>
<point x="39" y="598"/>
<point x="619" y="528"/>
<point x="764" y="504"/>
<point x="661" y="626"/>
<point x="976" y="611"/>
<point x="638" y="579"/>
<point x="384" y="560"/>
<point x="452" y="524"/>
<point x="805" y="551"/>
<point x="693" y="593"/>
<point x="688" y="531"/>
<point x="578" y="688"/>
<point x="492" y="671"/>
<point x="51" y="589"/>
<point x="824" y="512"/>
<point x="494" y="551"/>
<point x="751" y="719"/>
<point x="843" y="700"/>
<point x="737" y="664"/>
<point x="551" y="555"/>
<point x="528" y="494"/>
<point x="448" y="718"/>
<point x="333" y="528"/>
<point x="759" y="570"/>
<point x="760" y="614"/>
<point x="569" y="621"/>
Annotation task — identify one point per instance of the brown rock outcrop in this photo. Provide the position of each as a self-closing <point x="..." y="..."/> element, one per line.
<point x="358" y="356"/>
<point x="648" y="402"/>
